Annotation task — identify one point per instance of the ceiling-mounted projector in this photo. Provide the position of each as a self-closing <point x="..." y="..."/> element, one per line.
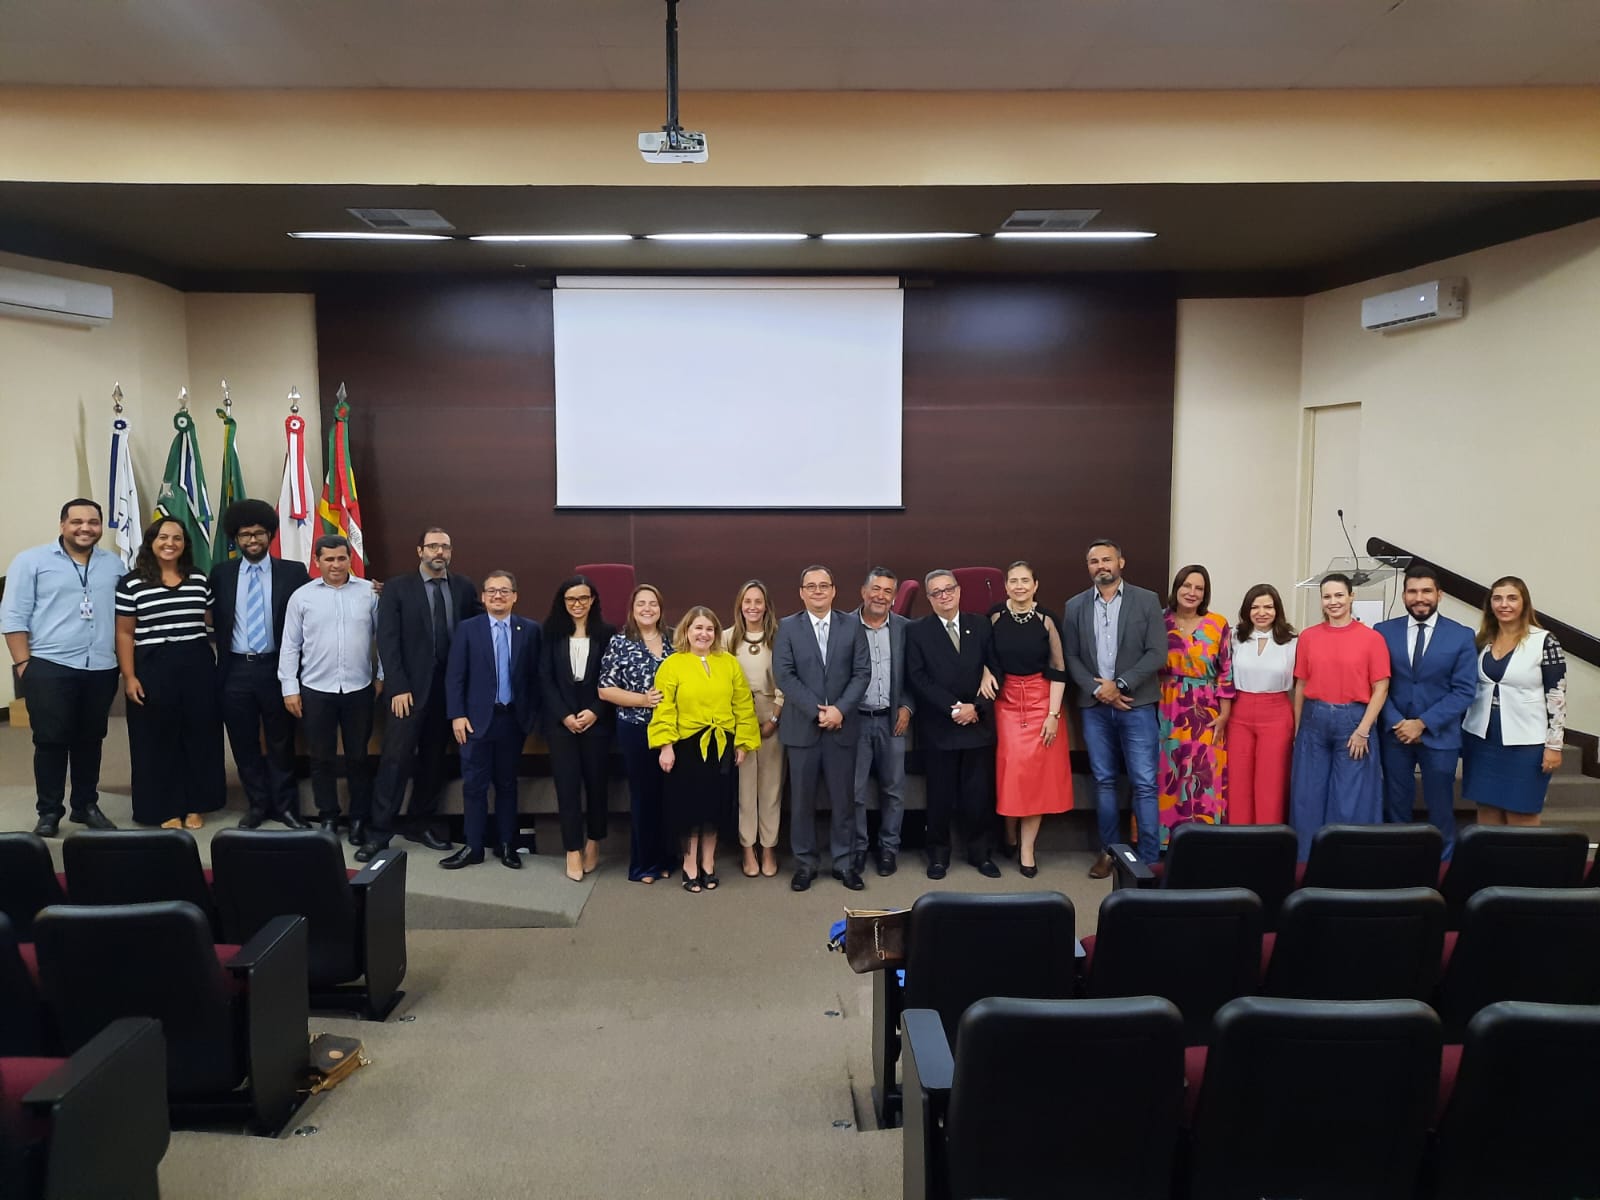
<point x="674" y="143"/>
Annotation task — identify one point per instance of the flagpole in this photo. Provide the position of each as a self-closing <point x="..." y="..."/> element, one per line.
<point x="233" y="489"/>
<point x="296" y="507"/>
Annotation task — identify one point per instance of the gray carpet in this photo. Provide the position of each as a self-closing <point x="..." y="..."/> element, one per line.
<point x="667" y="1045"/>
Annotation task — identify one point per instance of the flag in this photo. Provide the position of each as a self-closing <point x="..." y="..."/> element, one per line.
<point x="296" y="509"/>
<point x="125" y="511"/>
<point x="222" y="547"/>
<point x="338" y="508"/>
<point x="183" y="490"/>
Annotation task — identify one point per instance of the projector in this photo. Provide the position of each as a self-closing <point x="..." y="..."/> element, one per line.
<point x="677" y="146"/>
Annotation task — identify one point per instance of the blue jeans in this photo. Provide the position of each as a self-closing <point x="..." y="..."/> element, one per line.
<point x="1326" y="785"/>
<point x="1118" y="741"/>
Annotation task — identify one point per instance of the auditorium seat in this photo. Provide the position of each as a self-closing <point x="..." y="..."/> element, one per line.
<point x="1258" y="857"/>
<point x="137" y="866"/>
<point x="1374" y="856"/>
<point x="1535" y="944"/>
<point x="28" y="881"/>
<point x="961" y="948"/>
<point x="615" y="583"/>
<point x="234" y="1017"/>
<point x="1518" y="1118"/>
<point x="981" y="587"/>
<point x="1323" y="1099"/>
<point x="1512" y="856"/>
<point x="1043" y="1099"/>
<point x="356" y="940"/>
<point x="1357" y="945"/>
<point x="905" y="596"/>
<point x="93" y="1125"/>
<point x="23" y="1027"/>
<point x="1196" y="949"/>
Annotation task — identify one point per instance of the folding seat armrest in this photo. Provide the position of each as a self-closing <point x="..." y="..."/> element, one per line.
<point x="380" y="893"/>
<point x="273" y="939"/>
<point x="276" y="1003"/>
<point x="1130" y="872"/>
<point x="929" y="1069"/>
<point x="888" y="998"/>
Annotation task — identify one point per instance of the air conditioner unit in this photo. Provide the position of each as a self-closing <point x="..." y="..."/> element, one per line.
<point x="1436" y="300"/>
<point x="47" y="298"/>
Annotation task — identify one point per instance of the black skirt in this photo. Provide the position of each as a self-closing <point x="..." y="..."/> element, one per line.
<point x="701" y="791"/>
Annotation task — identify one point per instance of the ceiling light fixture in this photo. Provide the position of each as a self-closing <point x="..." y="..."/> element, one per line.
<point x="895" y="237"/>
<point x="1076" y="235"/>
<point x="727" y="237"/>
<point x="551" y="237"/>
<point x="340" y="236"/>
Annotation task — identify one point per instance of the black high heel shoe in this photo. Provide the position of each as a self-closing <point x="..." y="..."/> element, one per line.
<point x="1008" y="849"/>
<point x="691" y="883"/>
<point x="1027" y="871"/>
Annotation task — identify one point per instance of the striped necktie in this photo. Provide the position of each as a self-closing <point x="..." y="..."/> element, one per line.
<point x="257" y="633"/>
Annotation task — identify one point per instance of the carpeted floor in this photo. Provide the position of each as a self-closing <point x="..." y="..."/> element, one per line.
<point x="667" y="1045"/>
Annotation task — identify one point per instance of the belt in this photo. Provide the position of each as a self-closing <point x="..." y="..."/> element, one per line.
<point x="502" y="708"/>
<point x="871" y="712"/>
<point x="263" y="656"/>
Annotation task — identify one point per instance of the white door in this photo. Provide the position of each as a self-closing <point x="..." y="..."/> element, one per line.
<point x="1335" y="468"/>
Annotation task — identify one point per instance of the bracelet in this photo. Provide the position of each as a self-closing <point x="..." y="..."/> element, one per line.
<point x="1363" y="736"/>
<point x="1055" y="714"/>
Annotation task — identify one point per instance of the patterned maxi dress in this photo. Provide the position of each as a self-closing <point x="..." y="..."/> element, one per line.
<point x="1197" y="678"/>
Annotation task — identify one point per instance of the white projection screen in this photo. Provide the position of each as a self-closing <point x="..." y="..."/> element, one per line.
<point x="703" y="392"/>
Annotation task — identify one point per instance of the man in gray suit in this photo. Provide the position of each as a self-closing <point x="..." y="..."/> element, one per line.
<point x="1116" y="640"/>
<point x="885" y="714"/>
<point x="821" y="665"/>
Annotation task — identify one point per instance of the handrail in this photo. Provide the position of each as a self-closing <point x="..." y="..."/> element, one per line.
<point x="1575" y="642"/>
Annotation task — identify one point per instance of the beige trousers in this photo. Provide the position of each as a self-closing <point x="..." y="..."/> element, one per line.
<point x="761" y="793"/>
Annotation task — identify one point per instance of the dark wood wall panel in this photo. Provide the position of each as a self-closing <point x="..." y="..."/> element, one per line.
<point x="1037" y="415"/>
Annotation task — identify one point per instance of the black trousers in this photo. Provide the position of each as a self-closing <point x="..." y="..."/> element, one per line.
<point x="413" y="752"/>
<point x="580" y="764"/>
<point x="252" y="709"/>
<point x="493" y="757"/>
<point x="68" y="709"/>
<point x="330" y="717"/>
<point x="959" y="783"/>
<point x="175" y="736"/>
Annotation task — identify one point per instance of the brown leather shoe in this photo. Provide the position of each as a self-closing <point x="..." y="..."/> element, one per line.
<point x="1101" y="868"/>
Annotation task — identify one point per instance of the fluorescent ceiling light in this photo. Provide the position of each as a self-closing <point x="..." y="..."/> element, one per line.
<point x="894" y="237"/>
<point x="727" y="237"/>
<point x="337" y="236"/>
<point x="1076" y="235"/>
<point x="551" y="237"/>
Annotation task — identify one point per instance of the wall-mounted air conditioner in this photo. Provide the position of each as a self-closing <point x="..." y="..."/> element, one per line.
<point x="1436" y="300"/>
<point x="48" y="298"/>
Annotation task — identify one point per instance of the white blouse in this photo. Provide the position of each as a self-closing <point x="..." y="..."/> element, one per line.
<point x="1263" y="668"/>
<point x="578" y="650"/>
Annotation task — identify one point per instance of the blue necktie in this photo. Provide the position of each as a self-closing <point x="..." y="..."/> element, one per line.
<point x="502" y="662"/>
<point x="255" y="612"/>
<point x="1420" y="645"/>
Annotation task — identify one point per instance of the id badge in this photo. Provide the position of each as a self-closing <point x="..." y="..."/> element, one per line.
<point x="86" y="609"/>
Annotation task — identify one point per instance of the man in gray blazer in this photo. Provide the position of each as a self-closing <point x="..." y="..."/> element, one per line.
<point x="1116" y="642"/>
<point x="885" y="714"/>
<point x="820" y="663"/>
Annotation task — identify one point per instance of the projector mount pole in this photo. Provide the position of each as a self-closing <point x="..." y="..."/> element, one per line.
<point x="672" y="129"/>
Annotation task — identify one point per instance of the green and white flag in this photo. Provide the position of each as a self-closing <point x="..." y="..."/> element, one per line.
<point x="222" y="548"/>
<point x="183" y="495"/>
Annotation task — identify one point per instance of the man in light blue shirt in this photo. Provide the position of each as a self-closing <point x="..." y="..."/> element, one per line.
<point x="59" y="620"/>
<point x="325" y="669"/>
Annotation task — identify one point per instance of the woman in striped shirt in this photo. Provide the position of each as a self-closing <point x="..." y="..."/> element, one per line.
<point x="169" y="678"/>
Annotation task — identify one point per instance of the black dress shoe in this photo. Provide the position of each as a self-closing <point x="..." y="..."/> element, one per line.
<point x="1026" y="871"/>
<point x="802" y="879"/>
<point x="252" y="819"/>
<point x="329" y="825"/>
<point x="987" y="869"/>
<point x="369" y="852"/>
<point x="464" y="857"/>
<point x="358" y="833"/>
<point x="851" y="879"/>
<point x="886" y="862"/>
<point x="93" y="818"/>
<point x="430" y="839"/>
<point x="936" y="869"/>
<point x="858" y="862"/>
<point x="291" y="821"/>
<point x="509" y="856"/>
<point x="48" y="827"/>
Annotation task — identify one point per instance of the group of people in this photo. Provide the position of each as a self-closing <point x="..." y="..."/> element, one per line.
<point x="1209" y="720"/>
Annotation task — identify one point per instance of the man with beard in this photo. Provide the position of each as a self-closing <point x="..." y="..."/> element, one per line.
<point x="1433" y="678"/>
<point x="249" y="597"/>
<point x="418" y="613"/>
<point x="59" y="620"/>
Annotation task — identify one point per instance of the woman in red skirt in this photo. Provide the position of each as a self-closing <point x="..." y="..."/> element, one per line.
<point x="1261" y="729"/>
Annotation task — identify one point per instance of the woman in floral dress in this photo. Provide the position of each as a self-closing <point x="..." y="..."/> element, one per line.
<point x="1196" y="694"/>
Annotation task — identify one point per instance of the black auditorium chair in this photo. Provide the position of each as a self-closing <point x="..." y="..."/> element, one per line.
<point x="234" y="1016"/>
<point x="137" y="866"/>
<point x="1374" y="856"/>
<point x="1044" y="1099"/>
<point x="1512" y="856"/>
<point x="1537" y="944"/>
<point x="961" y="948"/>
<point x="1315" y="1099"/>
<point x="93" y="1125"/>
<point x="1518" y="1115"/>
<point x="1357" y="945"/>
<point x="22" y="1015"/>
<point x="1197" y="949"/>
<point x="28" y="881"/>
<point x="356" y="943"/>
<point x="1258" y="857"/>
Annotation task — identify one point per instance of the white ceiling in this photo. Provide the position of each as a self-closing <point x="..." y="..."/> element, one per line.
<point x="933" y="45"/>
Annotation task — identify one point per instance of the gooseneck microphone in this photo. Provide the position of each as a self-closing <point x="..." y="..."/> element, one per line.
<point x="1358" y="577"/>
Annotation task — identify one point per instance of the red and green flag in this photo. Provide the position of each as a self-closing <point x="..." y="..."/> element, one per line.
<point x="339" y="509"/>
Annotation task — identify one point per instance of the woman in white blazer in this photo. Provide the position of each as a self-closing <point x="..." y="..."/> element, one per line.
<point x="1514" y="729"/>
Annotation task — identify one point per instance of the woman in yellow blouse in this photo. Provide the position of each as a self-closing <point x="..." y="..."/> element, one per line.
<point x="703" y="726"/>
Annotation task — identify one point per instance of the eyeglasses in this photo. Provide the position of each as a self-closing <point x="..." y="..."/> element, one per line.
<point x="499" y="592"/>
<point x="436" y="545"/>
<point x="579" y="599"/>
<point x="941" y="593"/>
<point x="253" y="535"/>
<point x="816" y="587"/>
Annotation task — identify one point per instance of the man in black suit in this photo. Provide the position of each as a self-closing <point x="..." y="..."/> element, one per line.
<point x="248" y="598"/>
<point x="418" y="613"/>
<point x="946" y="666"/>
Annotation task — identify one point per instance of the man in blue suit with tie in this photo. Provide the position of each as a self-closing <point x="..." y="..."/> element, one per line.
<point x="492" y="699"/>
<point x="1433" y="678"/>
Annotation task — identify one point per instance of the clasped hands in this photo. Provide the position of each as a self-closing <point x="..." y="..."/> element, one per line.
<point x="578" y="722"/>
<point x="1109" y="693"/>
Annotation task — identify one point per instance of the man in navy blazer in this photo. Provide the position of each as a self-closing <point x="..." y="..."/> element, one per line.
<point x="491" y="689"/>
<point x="1433" y="678"/>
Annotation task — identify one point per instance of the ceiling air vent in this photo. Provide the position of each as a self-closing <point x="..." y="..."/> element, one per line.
<point x="400" y="219"/>
<point x="1050" y="220"/>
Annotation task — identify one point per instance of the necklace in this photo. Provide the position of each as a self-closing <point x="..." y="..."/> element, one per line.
<point x="753" y="646"/>
<point x="1023" y="617"/>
